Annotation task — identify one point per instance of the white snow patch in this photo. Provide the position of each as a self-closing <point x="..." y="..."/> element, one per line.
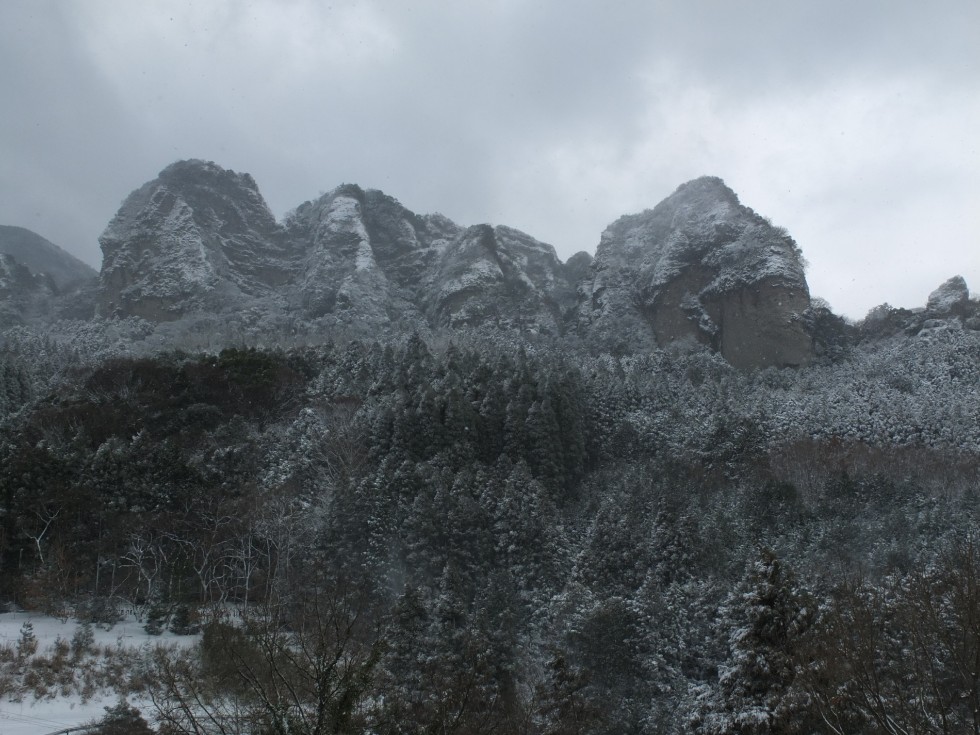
<point x="479" y="272"/>
<point x="344" y="216"/>
<point x="38" y="717"/>
<point x="35" y="717"/>
<point x="365" y="257"/>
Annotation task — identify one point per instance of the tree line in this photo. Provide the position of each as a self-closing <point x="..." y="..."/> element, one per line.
<point x="491" y="536"/>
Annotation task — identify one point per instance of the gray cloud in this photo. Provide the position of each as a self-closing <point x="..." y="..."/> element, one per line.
<point x="852" y="124"/>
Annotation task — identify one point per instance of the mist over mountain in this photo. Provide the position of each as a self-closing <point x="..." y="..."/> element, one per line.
<point x="40" y="282"/>
<point x="44" y="257"/>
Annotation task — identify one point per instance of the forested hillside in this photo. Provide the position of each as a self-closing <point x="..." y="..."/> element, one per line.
<point x="486" y="534"/>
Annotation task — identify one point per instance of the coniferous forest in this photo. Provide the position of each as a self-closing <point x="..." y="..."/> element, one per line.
<point x="493" y="535"/>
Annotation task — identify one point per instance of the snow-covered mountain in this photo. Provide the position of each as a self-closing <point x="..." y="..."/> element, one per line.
<point x="200" y="238"/>
<point x="198" y="247"/>
<point x="42" y="256"/>
<point x="40" y="282"/>
<point x="700" y="266"/>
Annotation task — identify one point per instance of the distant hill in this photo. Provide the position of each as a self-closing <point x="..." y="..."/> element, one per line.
<point x="41" y="256"/>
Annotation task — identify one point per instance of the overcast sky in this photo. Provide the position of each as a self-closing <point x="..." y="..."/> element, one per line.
<point x="852" y="123"/>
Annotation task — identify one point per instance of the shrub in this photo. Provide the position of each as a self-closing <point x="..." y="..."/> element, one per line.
<point x="100" y="611"/>
<point x="83" y="641"/>
<point x="27" y="643"/>
<point x="121" y="719"/>
<point x="184" y="621"/>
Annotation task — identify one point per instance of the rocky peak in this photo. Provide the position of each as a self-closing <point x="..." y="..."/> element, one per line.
<point x="578" y="267"/>
<point x="362" y="253"/>
<point x="949" y="296"/>
<point x="200" y="237"/>
<point x="197" y="236"/>
<point x="698" y="266"/>
<point x="501" y="276"/>
<point x="701" y="266"/>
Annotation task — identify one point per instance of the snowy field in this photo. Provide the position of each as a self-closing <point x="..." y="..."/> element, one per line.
<point x="31" y="716"/>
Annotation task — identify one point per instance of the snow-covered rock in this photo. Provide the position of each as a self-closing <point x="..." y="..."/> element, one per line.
<point x="501" y="276"/>
<point x="701" y="267"/>
<point x="196" y="238"/>
<point x="948" y="296"/>
<point x="199" y="238"/>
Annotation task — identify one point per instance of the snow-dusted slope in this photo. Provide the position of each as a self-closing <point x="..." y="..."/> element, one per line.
<point x="364" y="254"/>
<point x="24" y="710"/>
<point x="44" y="257"/>
<point x="197" y="237"/>
<point x="501" y="276"/>
<point x="23" y="295"/>
<point x="200" y="238"/>
<point x="701" y="266"/>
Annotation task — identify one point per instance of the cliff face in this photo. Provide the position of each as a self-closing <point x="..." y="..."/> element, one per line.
<point x="700" y="266"/>
<point x="197" y="237"/>
<point x="201" y="238"/>
<point x="198" y="247"/>
<point x="697" y="267"/>
<point x="365" y="256"/>
<point x="502" y="276"/>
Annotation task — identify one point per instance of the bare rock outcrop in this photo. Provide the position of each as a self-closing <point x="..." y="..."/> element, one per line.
<point x="201" y="238"/>
<point x="698" y="267"/>
<point x="198" y="237"/>
<point x="951" y="296"/>
<point x="702" y="267"/>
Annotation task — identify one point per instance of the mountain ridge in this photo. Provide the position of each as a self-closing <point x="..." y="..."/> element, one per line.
<point x="199" y="245"/>
<point x="201" y="238"/>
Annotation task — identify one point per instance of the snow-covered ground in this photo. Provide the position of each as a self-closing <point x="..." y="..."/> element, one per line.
<point x="31" y="716"/>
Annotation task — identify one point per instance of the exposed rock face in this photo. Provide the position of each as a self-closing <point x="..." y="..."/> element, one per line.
<point x="949" y="296"/>
<point x="197" y="237"/>
<point x="700" y="266"/>
<point x="948" y="307"/>
<point x="201" y="238"/>
<point x="502" y="276"/>
<point x="365" y="256"/>
<point x="44" y="257"/>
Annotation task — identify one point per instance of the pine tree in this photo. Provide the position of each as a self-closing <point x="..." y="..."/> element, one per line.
<point x="757" y="692"/>
<point x="565" y="706"/>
